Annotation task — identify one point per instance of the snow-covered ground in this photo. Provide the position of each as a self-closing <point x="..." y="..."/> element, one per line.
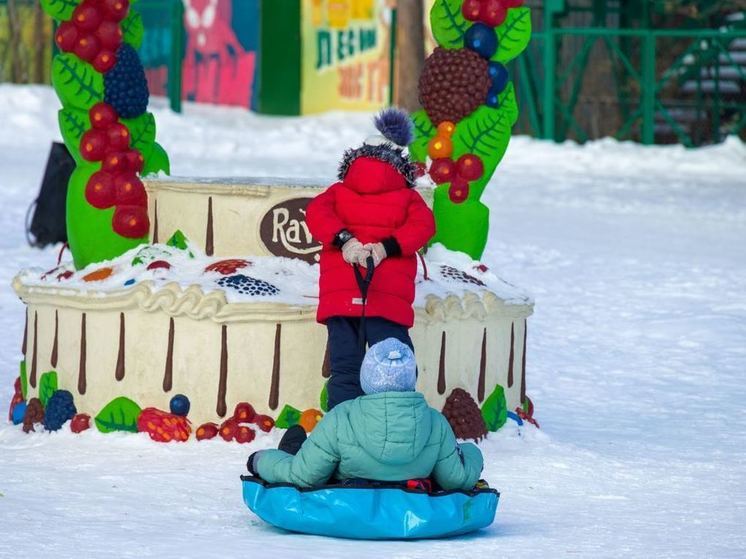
<point x="636" y="362"/>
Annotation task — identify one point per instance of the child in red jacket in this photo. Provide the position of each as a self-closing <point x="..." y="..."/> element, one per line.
<point x="373" y="211"/>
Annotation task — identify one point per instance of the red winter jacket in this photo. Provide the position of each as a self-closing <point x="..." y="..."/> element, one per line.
<point x="373" y="202"/>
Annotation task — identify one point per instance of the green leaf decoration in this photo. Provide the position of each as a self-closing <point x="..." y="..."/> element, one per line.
<point x="448" y="23"/>
<point x="423" y="133"/>
<point x="156" y="161"/>
<point x="118" y="415"/>
<point x="486" y="132"/>
<point x="76" y="82"/>
<point x="142" y="132"/>
<point x="73" y="124"/>
<point x="178" y="240"/>
<point x="24" y="380"/>
<point x="495" y="409"/>
<point x="324" y="397"/>
<point x="513" y="35"/>
<point x="133" y="29"/>
<point x="59" y="9"/>
<point x="288" y="417"/>
<point x="47" y="386"/>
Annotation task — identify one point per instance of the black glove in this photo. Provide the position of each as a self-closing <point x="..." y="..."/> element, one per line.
<point x="251" y="464"/>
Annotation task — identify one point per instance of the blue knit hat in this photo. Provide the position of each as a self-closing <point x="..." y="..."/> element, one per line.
<point x="389" y="366"/>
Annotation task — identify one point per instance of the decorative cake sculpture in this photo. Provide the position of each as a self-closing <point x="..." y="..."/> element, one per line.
<point x="210" y="329"/>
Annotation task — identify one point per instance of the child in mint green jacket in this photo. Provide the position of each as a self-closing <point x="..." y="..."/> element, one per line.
<point x="389" y="434"/>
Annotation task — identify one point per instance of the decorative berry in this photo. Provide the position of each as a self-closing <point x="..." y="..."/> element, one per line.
<point x="228" y="429"/>
<point x="264" y="422"/>
<point x="134" y="160"/>
<point x="207" y="431"/>
<point x="458" y="192"/>
<point x="471" y="9"/>
<point x="481" y="39"/>
<point x="463" y="414"/>
<point x="470" y="167"/>
<point x="125" y="86"/>
<point x="102" y="116"/>
<point x="442" y="170"/>
<point x="93" y="145"/>
<point x="66" y="36"/>
<point x="163" y="427"/>
<point x="492" y="12"/>
<point x="247" y="285"/>
<point x="115" y="162"/>
<point x="18" y="412"/>
<point x="87" y="47"/>
<point x="451" y="273"/>
<point x="86" y="17"/>
<point x="116" y="9"/>
<point x="179" y="404"/>
<point x="131" y="222"/>
<point x="34" y="414"/>
<point x="512" y="3"/>
<point x="119" y="136"/>
<point x="80" y="423"/>
<point x="227" y="267"/>
<point x="244" y="434"/>
<point x="130" y="191"/>
<point x="446" y="129"/>
<point x="60" y="409"/>
<point x="65" y="275"/>
<point x="454" y="83"/>
<point x="244" y="413"/>
<point x="109" y="34"/>
<point x="99" y="191"/>
<point x="104" y="61"/>
<point x="499" y="76"/>
<point x="439" y="147"/>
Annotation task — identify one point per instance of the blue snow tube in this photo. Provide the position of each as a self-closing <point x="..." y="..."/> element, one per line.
<point x="370" y="512"/>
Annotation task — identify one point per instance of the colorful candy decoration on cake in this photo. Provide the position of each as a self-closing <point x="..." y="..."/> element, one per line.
<point x="469" y="109"/>
<point x="104" y="122"/>
<point x="59" y="410"/>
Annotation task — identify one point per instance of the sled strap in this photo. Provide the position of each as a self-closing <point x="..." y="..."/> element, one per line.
<point x="363" y="283"/>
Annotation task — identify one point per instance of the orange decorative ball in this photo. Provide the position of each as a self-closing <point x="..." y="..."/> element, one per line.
<point x="309" y="419"/>
<point x="446" y="129"/>
<point x="440" y="147"/>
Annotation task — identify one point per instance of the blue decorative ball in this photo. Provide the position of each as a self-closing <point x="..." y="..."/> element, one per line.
<point x="18" y="412"/>
<point x="482" y="39"/>
<point x="125" y="86"/>
<point x="499" y="76"/>
<point x="60" y="408"/>
<point x="180" y="405"/>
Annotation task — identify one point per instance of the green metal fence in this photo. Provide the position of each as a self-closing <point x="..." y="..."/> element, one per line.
<point x="683" y="85"/>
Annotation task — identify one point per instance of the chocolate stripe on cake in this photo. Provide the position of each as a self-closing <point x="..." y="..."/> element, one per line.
<point x="523" y="362"/>
<point x="222" y="408"/>
<point x="168" y="374"/>
<point x="25" y="335"/>
<point x="32" y="376"/>
<point x="155" y="221"/>
<point x="274" y="391"/>
<point x="512" y="352"/>
<point x="119" y="372"/>
<point x="442" y="365"/>
<point x="209" y="241"/>
<point x="326" y="367"/>
<point x="482" y="367"/>
<point x="83" y="356"/>
<point x="53" y="357"/>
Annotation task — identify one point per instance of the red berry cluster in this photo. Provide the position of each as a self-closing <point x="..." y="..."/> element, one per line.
<point x="116" y="184"/>
<point x="236" y="428"/>
<point x="469" y="167"/>
<point x="489" y="12"/>
<point x="93" y="33"/>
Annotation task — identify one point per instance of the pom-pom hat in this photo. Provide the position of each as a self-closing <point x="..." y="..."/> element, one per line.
<point x="396" y="133"/>
<point x="389" y="366"/>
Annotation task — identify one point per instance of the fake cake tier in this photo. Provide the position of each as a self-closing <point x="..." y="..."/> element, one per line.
<point x="221" y="308"/>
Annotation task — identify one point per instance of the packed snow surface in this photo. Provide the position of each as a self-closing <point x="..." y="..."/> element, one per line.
<point x="636" y="258"/>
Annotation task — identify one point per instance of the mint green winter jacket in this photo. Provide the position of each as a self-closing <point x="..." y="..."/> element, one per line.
<point x="391" y="436"/>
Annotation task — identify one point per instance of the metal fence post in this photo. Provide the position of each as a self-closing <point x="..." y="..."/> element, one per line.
<point x="177" y="48"/>
<point x="648" y="88"/>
